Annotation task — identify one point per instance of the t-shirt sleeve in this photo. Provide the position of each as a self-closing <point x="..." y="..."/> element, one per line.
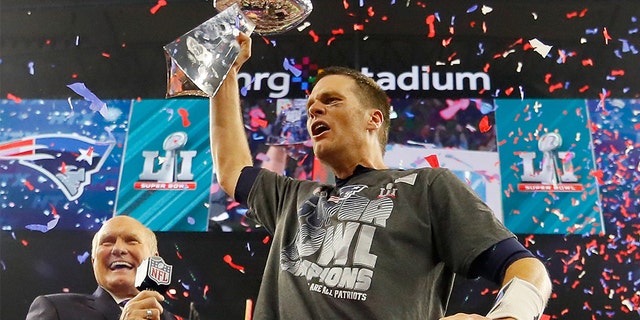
<point x="247" y="177"/>
<point x="463" y="224"/>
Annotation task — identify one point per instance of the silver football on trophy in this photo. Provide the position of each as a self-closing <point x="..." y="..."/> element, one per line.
<point x="271" y="16"/>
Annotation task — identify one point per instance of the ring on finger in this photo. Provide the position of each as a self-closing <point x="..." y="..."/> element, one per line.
<point x="149" y="314"/>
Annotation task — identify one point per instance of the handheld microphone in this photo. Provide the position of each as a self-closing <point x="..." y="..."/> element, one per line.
<point x="153" y="274"/>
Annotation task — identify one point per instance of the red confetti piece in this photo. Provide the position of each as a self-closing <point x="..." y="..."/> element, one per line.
<point x="617" y="73"/>
<point x="606" y="35"/>
<point x="587" y="62"/>
<point x="433" y="161"/>
<point x="227" y="258"/>
<point x="555" y="87"/>
<point x="205" y="291"/>
<point x="54" y="212"/>
<point x="106" y="55"/>
<point x="575" y="14"/>
<point x="233" y="205"/>
<point x="484" y="124"/>
<point x="508" y="91"/>
<point x="266" y="239"/>
<point x="519" y="41"/>
<point x="161" y="3"/>
<point x="572" y="14"/>
<point x="28" y="185"/>
<point x="370" y="12"/>
<point x="432" y="29"/>
<point x="313" y="34"/>
<point x="184" y="114"/>
<point x="14" y="98"/>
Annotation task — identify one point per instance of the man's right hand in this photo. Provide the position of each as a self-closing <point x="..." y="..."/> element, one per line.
<point x="245" y="51"/>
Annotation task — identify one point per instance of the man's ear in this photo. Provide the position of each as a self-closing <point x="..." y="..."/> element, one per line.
<point x="375" y="119"/>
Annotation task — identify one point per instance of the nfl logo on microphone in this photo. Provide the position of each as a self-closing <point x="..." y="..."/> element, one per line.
<point x="159" y="271"/>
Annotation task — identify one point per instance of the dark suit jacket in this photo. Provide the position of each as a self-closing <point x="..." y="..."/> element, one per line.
<point x="74" y="306"/>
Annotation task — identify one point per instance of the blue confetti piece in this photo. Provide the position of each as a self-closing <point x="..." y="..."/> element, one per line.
<point x="83" y="257"/>
<point x="287" y="65"/>
<point x="43" y="228"/>
<point x="591" y="31"/>
<point x="37" y="227"/>
<point x="96" y="103"/>
<point x="486" y="108"/>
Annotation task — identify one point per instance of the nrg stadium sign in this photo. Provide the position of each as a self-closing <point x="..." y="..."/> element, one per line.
<point x="418" y="79"/>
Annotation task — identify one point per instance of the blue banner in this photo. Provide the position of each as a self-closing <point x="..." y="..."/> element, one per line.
<point x="59" y="163"/>
<point x="166" y="174"/>
<point x="547" y="167"/>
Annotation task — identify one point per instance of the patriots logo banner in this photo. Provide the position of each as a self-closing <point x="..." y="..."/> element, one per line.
<point x="66" y="159"/>
<point x="60" y="163"/>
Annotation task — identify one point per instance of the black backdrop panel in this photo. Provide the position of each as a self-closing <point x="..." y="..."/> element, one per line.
<point x="115" y="46"/>
<point x="593" y="277"/>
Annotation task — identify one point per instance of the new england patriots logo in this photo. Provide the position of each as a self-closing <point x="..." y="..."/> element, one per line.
<point x="68" y="160"/>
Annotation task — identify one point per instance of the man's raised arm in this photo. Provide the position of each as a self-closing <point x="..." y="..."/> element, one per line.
<point x="229" y="146"/>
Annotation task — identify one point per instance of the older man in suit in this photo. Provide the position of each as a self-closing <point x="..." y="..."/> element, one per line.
<point x="118" y="248"/>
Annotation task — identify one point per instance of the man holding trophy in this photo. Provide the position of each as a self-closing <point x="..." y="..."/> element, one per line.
<point x="380" y="243"/>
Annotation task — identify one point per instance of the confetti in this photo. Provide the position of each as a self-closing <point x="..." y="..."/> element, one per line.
<point x="227" y="258"/>
<point x="96" y="103"/>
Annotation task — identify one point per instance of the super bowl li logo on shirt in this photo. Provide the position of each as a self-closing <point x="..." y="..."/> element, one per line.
<point x="175" y="167"/>
<point x="556" y="169"/>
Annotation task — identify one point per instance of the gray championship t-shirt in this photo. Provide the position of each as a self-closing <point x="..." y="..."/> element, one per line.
<point x="383" y="245"/>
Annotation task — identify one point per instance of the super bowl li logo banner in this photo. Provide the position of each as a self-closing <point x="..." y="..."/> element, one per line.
<point x="166" y="173"/>
<point x="546" y="165"/>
